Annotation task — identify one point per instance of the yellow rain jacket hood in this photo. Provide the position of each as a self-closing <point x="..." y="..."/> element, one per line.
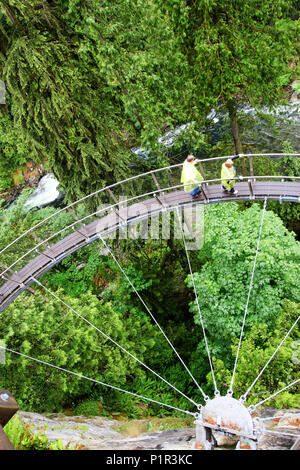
<point x="191" y="175"/>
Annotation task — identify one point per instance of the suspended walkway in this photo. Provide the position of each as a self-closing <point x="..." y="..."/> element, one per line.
<point x="161" y="195"/>
<point x="73" y="227"/>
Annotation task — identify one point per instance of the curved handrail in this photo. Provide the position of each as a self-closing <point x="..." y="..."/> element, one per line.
<point x="135" y="177"/>
<point x="134" y="198"/>
<point x="119" y="184"/>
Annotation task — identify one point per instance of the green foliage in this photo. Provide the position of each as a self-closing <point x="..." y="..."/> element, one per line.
<point x="13" y="150"/>
<point x="15" y="430"/>
<point x="91" y="81"/>
<point x="88" y="408"/>
<point x="237" y="53"/>
<point x="17" y="219"/>
<point x="257" y="348"/>
<point x="75" y="274"/>
<point x="246" y="51"/>
<point x="88" y="81"/>
<point x="24" y="437"/>
<point x="35" y="441"/>
<point x="227" y="258"/>
<point x="42" y="328"/>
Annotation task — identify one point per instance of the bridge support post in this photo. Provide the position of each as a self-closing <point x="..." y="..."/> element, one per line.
<point x="252" y="196"/>
<point x="8" y="407"/>
<point x="225" y="416"/>
<point x="204" y="437"/>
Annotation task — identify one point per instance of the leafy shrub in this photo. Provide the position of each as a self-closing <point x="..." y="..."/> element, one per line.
<point x="23" y="437"/>
<point x="42" y="328"/>
<point x="88" y="408"/>
<point x="223" y="281"/>
<point x="257" y="348"/>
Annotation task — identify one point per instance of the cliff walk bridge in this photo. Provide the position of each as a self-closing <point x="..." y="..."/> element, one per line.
<point x="120" y="205"/>
<point x="158" y="191"/>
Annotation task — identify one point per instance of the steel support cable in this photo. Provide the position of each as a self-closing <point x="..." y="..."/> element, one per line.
<point x="276" y="418"/>
<point x="112" y="206"/>
<point x="230" y="391"/>
<point x="252" y="408"/>
<point x="157" y="170"/>
<point x="152" y="316"/>
<point x="197" y="302"/>
<point x="96" y="381"/>
<point x="284" y="434"/>
<point x="110" y="339"/>
<point x="243" y="397"/>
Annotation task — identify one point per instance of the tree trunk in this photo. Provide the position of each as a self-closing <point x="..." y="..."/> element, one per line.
<point x="231" y="106"/>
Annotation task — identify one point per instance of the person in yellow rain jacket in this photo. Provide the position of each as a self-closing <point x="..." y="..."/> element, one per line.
<point x="228" y="171"/>
<point x="191" y="177"/>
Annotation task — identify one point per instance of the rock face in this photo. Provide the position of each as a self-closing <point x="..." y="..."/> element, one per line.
<point x="278" y="428"/>
<point x="98" y="433"/>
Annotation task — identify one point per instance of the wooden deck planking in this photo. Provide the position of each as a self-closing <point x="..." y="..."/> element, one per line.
<point x="272" y="189"/>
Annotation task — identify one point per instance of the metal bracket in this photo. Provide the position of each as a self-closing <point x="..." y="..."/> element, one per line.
<point x="44" y="254"/>
<point x="160" y="202"/>
<point x="82" y="234"/>
<point x="205" y="195"/>
<point x="20" y="284"/>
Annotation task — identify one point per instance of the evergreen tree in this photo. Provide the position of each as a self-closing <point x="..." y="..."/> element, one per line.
<point x="87" y="80"/>
<point x="239" y="52"/>
<point x="44" y="329"/>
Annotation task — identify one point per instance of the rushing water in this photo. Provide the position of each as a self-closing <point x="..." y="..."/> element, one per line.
<point x="46" y="193"/>
<point x="261" y="132"/>
<point x="266" y="133"/>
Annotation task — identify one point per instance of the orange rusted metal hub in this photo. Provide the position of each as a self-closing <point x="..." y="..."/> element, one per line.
<point x="227" y="416"/>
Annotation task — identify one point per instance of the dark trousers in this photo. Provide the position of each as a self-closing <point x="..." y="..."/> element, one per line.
<point x="228" y="190"/>
<point x="195" y="191"/>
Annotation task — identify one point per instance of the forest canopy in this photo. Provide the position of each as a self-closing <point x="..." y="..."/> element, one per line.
<point x="87" y="82"/>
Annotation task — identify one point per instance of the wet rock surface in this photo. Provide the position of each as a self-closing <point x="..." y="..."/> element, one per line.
<point x="278" y="428"/>
<point x="99" y="433"/>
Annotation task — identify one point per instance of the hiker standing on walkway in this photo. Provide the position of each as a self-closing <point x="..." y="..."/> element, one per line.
<point x="191" y="177"/>
<point x="228" y="176"/>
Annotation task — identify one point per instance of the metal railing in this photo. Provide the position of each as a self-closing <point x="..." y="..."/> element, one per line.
<point x="152" y="183"/>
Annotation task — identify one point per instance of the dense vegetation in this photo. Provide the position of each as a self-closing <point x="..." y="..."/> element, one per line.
<point x="40" y="326"/>
<point x="86" y="81"/>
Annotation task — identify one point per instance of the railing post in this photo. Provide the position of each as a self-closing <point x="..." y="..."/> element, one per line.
<point x="201" y="170"/>
<point x="116" y="211"/>
<point x="252" y="196"/>
<point x="38" y="239"/>
<point x="204" y="192"/>
<point x="159" y="198"/>
<point x="251" y="166"/>
<point x="8" y="407"/>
